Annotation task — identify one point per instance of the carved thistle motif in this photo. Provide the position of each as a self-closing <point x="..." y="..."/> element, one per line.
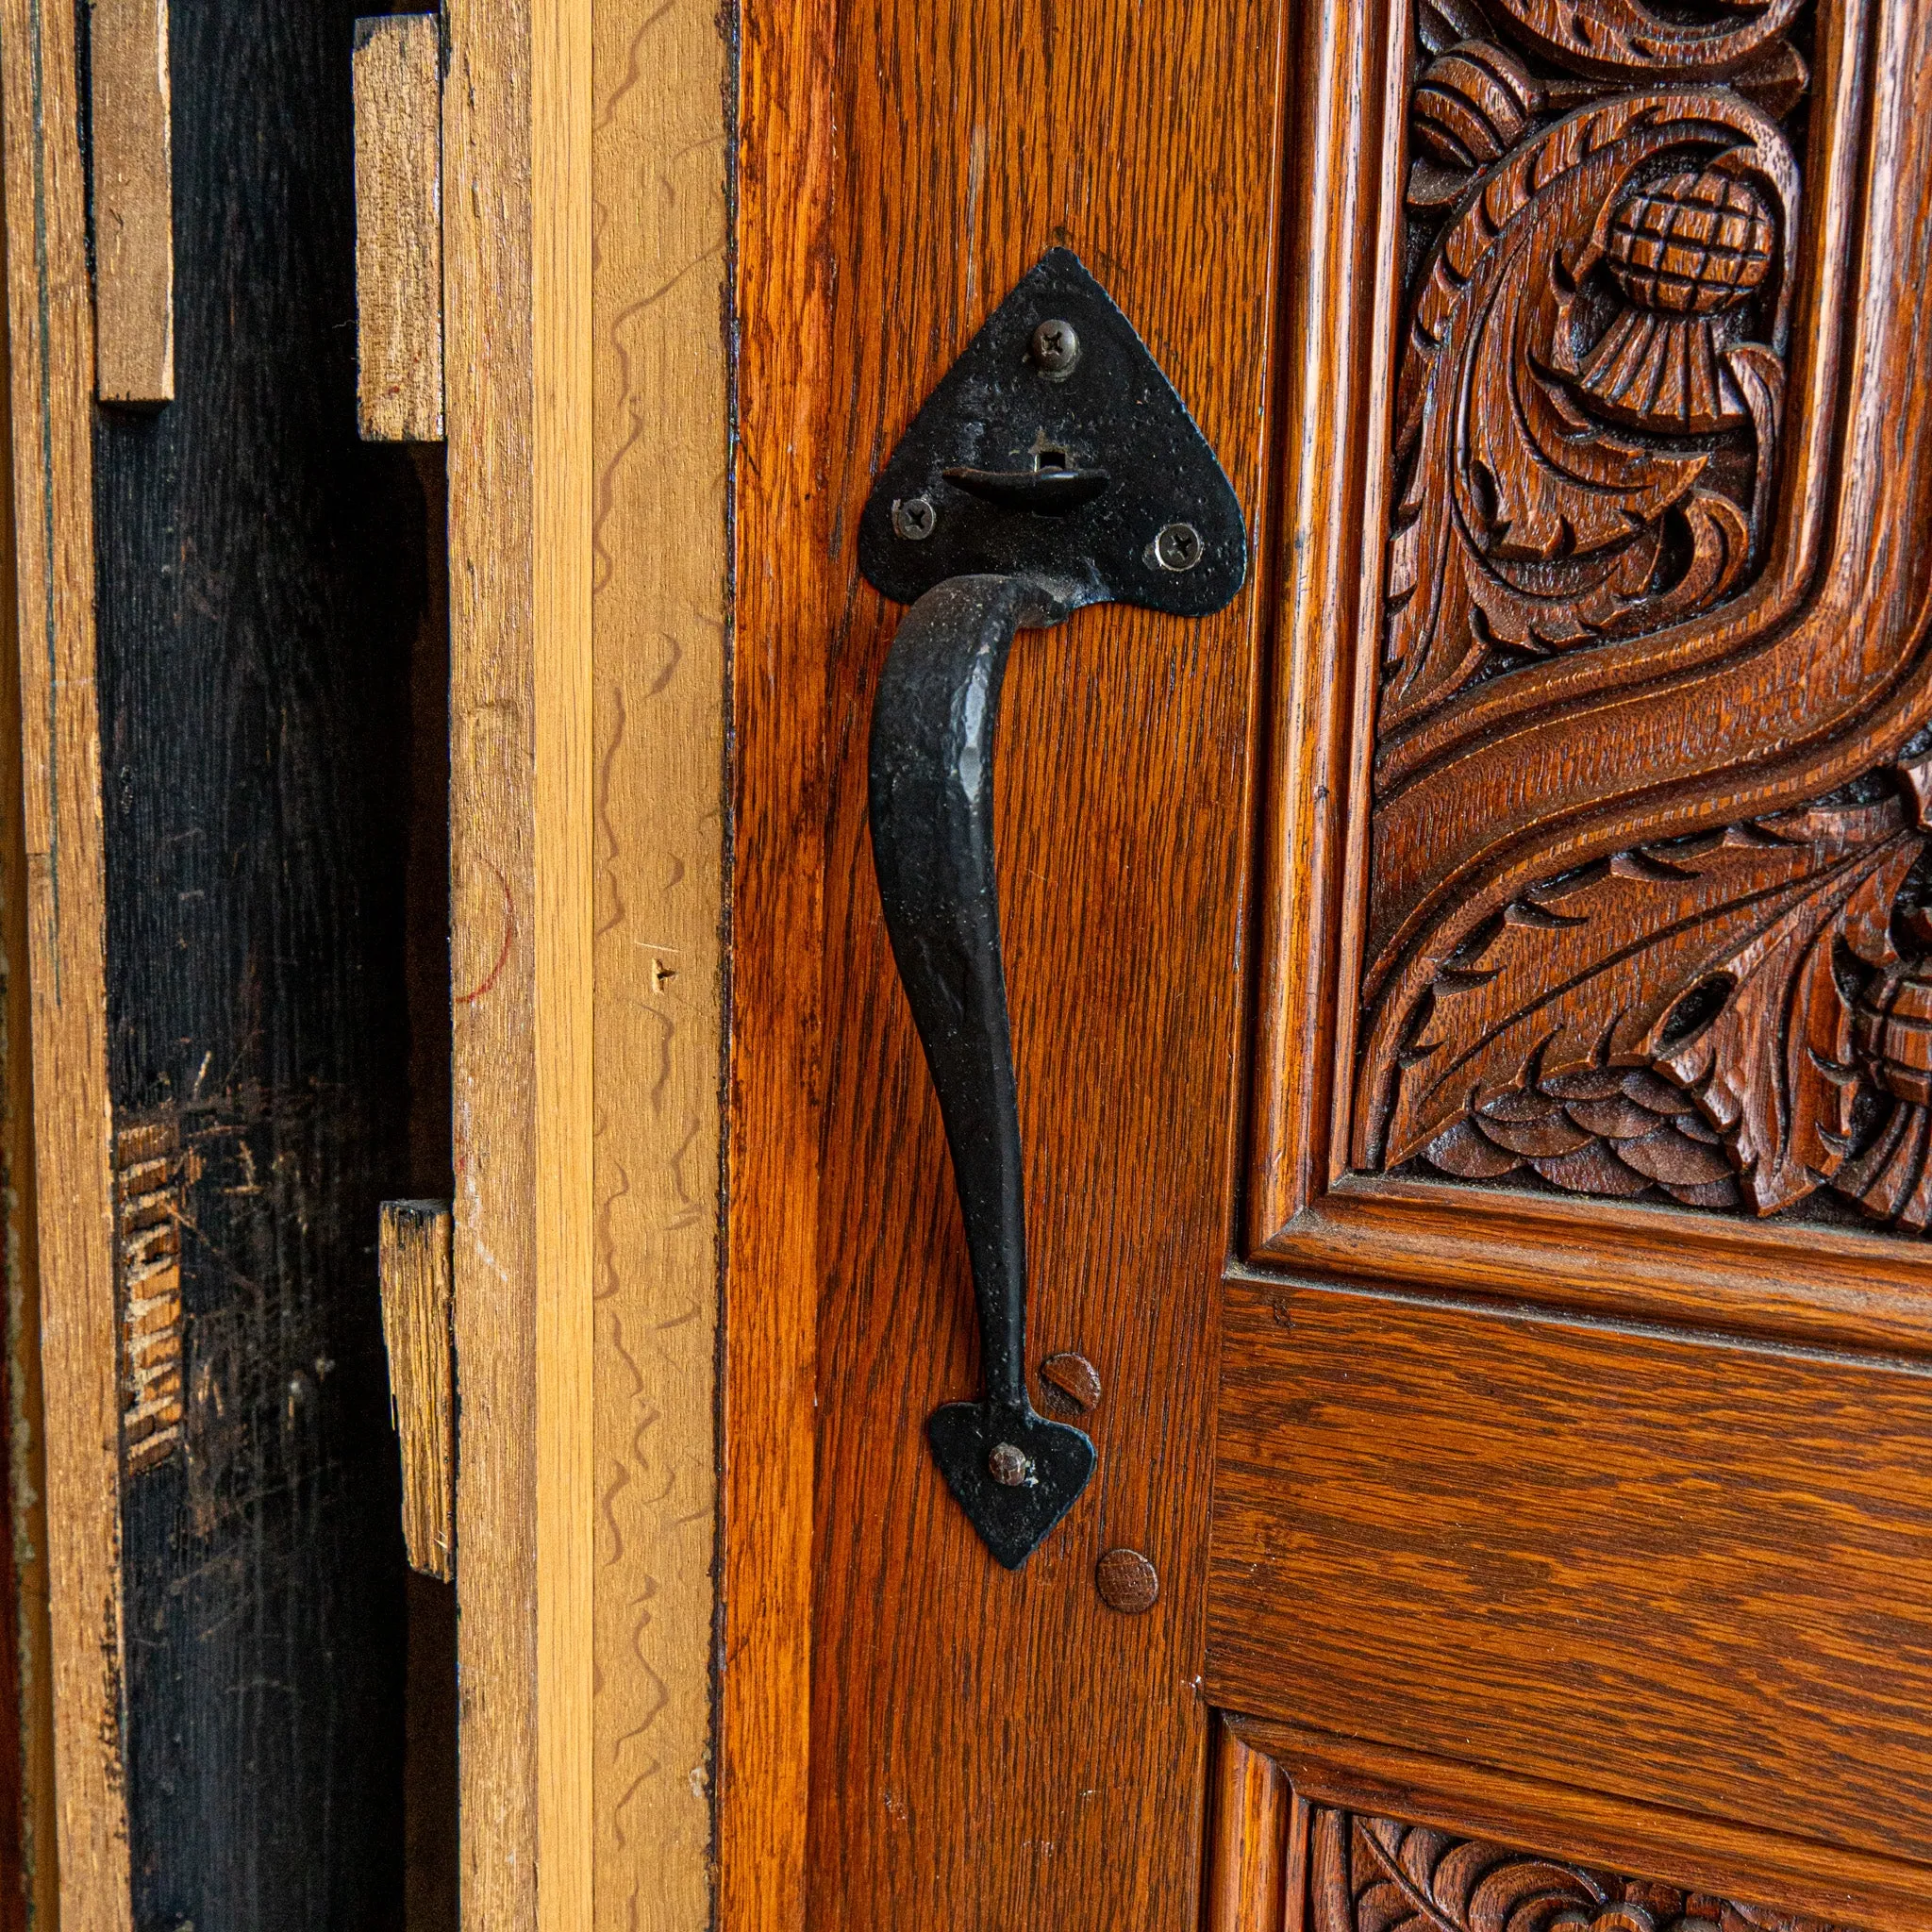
<point x="1727" y="1011"/>
<point x="1372" y="1875"/>
<point x="1588" y="405"/>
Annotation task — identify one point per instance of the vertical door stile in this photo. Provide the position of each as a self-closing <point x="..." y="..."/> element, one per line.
<point x="51" y="339"/>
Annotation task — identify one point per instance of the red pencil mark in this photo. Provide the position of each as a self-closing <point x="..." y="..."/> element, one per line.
<point x="509" y="934"/>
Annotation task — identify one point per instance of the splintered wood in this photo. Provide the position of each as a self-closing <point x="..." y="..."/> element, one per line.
<point x="134" y="201"/>
<point x="414" y="1261"/>
<point x="149" y="1176"/>
<point x="398" y="85"/>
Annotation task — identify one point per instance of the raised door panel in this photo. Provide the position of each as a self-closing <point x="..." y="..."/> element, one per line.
<point x="1572" y="1422"/>
<point x="1603" y="790"/>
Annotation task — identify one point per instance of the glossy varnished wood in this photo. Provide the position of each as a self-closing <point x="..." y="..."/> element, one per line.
<point x="1671" y="1569"/>
<point x="980" y="1741"/>
<point x="1636" y="737"/>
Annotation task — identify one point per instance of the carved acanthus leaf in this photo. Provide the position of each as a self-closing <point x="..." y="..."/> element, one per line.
<point x="1534" y="514"/>
<point x="1377" y="1874"/>
<point x="1710" y="961"/>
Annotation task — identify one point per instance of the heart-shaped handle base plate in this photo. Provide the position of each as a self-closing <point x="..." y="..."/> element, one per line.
<point x="1013" y="1472"/>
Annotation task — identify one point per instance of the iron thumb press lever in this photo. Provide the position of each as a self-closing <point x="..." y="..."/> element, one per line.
<point x="1052" y="467"/>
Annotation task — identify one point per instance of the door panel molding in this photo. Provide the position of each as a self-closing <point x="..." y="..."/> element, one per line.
<point x="1288" y="1796"/>
<point x="1538" y="778"/>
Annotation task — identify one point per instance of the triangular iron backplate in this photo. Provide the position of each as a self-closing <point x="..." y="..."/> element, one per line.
<point x="1113" y="412"/>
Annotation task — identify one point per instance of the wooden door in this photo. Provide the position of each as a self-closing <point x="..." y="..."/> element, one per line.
<point x="1470" y="997"/>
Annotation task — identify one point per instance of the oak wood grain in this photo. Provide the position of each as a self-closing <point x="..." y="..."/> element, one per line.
<point x="412" y="1262"/>
<point x="888" y="206"/>
<point x="1674" y="1570"/>
<point x="1259" y="1834"/>
<point x="659" y="574"/>
<point x="51" y="368"/>
<point x="398" y="86"/>
<point x="132" y="169"/>
<point x="787" y="312"/>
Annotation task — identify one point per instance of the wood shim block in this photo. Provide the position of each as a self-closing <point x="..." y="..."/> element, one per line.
<point x="414" y="1261"/>
<point x="134" y="202"/>
<point x="398" y="85"/>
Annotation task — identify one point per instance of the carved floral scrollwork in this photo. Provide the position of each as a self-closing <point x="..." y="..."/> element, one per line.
<point x="1605" y="226"/>
<point x="1587" y="410"/>
<point x="1702" y="1014"/>
<point x="1374" y="1875"/>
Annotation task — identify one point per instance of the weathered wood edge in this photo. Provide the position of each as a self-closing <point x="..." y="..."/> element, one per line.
<point x="134" y="200"/>
<point x="51" y="327"/>
<point x="397" y="64"/>
<point x="412" y="1264"/>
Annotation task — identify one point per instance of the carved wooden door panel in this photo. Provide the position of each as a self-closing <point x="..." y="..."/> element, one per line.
<point x="1472" y="1001"/>
<point x="1574" y="1448"/>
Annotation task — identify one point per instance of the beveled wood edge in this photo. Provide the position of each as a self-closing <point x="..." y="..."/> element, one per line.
<point x="1773" y="1869"/>
<point x="1807" y="1284"/>
<point x="1321" y="703"/>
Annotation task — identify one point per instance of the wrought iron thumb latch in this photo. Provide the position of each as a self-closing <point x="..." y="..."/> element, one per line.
<point x="1052" y="467"/>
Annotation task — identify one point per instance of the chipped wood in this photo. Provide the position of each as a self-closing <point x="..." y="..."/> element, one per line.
<point x="148" y="1189"/>
<point x="413" y="1263"/>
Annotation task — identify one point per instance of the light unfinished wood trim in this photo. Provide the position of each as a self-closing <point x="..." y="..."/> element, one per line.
<point x="397" y="67"/>
<point x="134" y="200"/>
<point x="660" y="422"/>
<point x="516" y="303"/>
<point x="488" y="402"/>
<point x="561" y="291"/>
<point x="412" y="1264"/>
<point x="52" y="337"/>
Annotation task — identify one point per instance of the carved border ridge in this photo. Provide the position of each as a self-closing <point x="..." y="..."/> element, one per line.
<point x="1313" y="1833"/>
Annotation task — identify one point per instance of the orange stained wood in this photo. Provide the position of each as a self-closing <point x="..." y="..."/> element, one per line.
<point x="1669" y="1569"/>
<point x="961" y="1744"/>
<point x="1807" y="669"/>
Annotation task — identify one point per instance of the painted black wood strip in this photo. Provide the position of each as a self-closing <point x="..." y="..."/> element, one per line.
<point x="262" y="577"/>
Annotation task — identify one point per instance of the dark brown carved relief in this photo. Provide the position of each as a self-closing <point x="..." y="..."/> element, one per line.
<point x="1576" y="978"/>
<point x="1374" y="1874"/>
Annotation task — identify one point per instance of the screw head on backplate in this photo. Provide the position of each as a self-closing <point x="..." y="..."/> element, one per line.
<point x="915" y="519"/>
<point x="1056" y="347"/>
<point x="1007" y="1466"/>
<point x="1178" y="547"/>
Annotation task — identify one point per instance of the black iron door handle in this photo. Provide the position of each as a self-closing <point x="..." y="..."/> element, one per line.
<point x="1052" y="467"/>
